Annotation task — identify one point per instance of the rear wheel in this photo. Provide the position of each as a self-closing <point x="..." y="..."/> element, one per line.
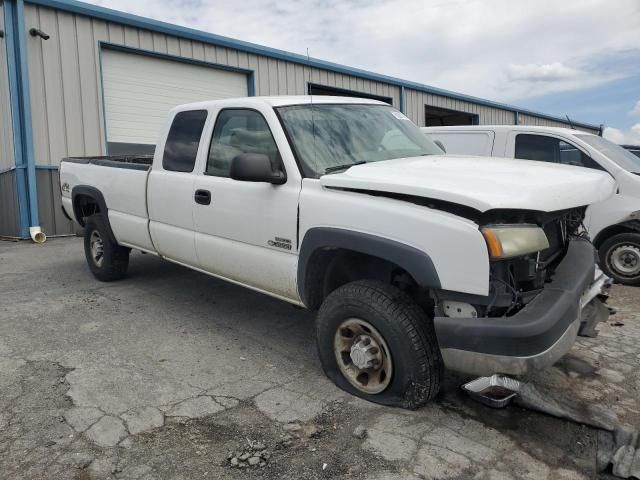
<point x="107" y="260"/>
<point x="620" y="258"/>
<point x="376" y="343"/>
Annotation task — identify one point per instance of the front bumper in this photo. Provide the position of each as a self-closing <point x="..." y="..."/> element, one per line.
<point x="537" y="336"/>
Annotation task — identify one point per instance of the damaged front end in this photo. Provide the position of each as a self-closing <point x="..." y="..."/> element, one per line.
<point x="538" y="301"/>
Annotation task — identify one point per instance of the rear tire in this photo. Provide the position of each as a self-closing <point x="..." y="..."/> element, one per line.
<point x="107" y="260"/>
<point x="405" y="368"/>
<point x="620" y="258"/>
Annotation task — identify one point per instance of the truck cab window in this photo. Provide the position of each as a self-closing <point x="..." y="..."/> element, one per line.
<point x="181" y="147"/>
<point x="551" y="149"/>
<point x="239" y="131"/>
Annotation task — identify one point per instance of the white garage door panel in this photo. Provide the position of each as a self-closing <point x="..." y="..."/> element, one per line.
<point x="139" y="91"/>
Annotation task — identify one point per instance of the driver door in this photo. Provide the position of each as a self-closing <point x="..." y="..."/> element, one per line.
<point x="246" y="231"/>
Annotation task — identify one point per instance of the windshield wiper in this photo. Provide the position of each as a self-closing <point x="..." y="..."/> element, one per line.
<point x="335" y="168"/>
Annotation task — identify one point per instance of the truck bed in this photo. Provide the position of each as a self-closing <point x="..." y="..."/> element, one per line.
<point x="122" y="182"/>
<point x="132" y="162"/>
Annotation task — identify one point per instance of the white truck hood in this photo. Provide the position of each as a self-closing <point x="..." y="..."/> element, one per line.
<point x="481" y="183"/>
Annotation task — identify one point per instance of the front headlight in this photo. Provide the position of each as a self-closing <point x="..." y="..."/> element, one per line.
<point x="508" y="241"/>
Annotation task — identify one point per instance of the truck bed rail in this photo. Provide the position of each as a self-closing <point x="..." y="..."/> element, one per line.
<point x="132" y="162"/>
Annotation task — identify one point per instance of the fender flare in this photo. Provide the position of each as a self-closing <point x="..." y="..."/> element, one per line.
<point x="621" y="227"/>
<point x="96" y="195"/>
<point x="416" y="262"/>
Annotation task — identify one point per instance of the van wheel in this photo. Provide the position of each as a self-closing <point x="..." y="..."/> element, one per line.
<point x="107" y="260"/>
<point x="376" y="343"/>
<point x="620" y="258"/>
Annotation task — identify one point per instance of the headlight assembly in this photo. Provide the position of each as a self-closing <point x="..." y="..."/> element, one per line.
<point x="508" y="241"/>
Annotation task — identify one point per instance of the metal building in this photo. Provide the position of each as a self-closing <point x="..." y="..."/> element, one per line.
<point x="77" y="79"/>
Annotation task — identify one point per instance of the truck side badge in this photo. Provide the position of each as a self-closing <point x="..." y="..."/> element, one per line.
<point x="280" y="242"/>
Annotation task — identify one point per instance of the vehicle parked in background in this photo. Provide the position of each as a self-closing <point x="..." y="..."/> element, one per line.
<point x="614" y="223"/>
<point x="635" y="149"/>
<point x="415" y="261"/>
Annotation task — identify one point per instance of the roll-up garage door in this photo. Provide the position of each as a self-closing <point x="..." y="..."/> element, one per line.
<point x="139" y="90"/>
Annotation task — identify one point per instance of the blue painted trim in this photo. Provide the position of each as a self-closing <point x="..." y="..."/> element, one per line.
<point x="192" y="34"/>
<point x="168" y="56"/>
<point x="402" y="106"/>
<point x="15" y="94"/>
<point x="25" y="97"/>
<point x="104" y="45"/>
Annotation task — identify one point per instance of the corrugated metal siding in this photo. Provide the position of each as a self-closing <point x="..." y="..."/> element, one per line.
<point x="65" y="79"/>
<point x="543" y="122"/>
<point x="416" y="101"/>
<point x="9" y="211"/>
<point x="52" y="220"/>
<point x="66" y="86"/>
<point x="7" y="157"/>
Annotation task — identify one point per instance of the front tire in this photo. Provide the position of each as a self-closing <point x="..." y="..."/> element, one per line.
<point x="107" y="260"/>
<point x="620" y="258"/>
<point x="376" y="343"/>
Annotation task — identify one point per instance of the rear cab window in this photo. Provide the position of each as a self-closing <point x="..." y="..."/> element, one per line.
<point x="551" y="149"/>
<point x="181" y="147"/>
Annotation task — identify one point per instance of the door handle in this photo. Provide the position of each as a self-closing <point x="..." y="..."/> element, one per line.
<point x="203" y="197"/>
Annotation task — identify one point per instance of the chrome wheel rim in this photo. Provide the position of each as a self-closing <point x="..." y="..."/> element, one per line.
<point x="97" y="248"/>
<point x="625" y="260"/>
<point x="363" y="356"/>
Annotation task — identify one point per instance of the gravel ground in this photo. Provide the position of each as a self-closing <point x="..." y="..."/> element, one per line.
<point x="173" y="374"/>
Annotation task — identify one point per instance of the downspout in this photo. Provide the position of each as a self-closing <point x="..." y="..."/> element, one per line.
<point x="21" y="112"/>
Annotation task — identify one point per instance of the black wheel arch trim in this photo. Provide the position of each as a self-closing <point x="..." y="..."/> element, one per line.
<point x="96" y="195"/>
<point x="416" y="262"/>
<point x="627" y="226"/>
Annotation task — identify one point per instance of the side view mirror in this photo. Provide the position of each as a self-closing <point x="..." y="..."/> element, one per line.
<point x="441" y="145"/>
<point x="255" y="167"/>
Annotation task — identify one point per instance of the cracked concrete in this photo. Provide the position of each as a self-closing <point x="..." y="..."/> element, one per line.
<point x="159" y="375"/>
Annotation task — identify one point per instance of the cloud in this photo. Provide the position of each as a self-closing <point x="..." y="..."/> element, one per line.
<point x="623" y="137"/>
<point x="550" y="72"/>
<point x="636" y="109"/>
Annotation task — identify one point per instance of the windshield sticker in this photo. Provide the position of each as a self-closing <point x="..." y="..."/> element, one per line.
<point x="399" y="115"/>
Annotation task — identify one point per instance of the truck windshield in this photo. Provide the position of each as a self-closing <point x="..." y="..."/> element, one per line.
<point x="329" y="138"/>
<point x="624" y="158"/>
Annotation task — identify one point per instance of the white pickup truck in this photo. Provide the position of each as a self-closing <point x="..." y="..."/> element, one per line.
<point x="415" y="261"/>
<point x="613" y="224"/>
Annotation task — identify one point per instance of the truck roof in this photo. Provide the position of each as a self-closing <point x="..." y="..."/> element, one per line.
<point x="528" y="128"/>
<point x="279" y="101"/>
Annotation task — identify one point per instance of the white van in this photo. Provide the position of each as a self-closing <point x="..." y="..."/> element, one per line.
<point x="613" y="224"/>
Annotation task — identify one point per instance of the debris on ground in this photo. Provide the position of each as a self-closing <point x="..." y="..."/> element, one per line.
<point x="618" y="446"/>
<point x="360" y="432"/>
<point x="254" y="454"/>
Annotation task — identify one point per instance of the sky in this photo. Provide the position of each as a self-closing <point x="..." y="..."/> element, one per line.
<point x="579" y="58"/>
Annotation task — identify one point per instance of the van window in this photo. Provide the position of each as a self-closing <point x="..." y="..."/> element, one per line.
<point x="239" y="131"/>
<point x="551" y="149"/>
<point x="181" y="147"/>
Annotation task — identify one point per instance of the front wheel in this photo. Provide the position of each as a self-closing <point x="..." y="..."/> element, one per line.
<point x="107" y="260"/>
<point x="620" y="258"/>
<point x="376" y="343"/>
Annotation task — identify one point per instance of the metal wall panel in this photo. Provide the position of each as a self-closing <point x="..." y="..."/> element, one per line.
<point x="7" y="156"/>
<point x="65" y="77"/>
<point x="9" y="211"/>
<point x="543" y="122"/>
<point x="52" y="220"/>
